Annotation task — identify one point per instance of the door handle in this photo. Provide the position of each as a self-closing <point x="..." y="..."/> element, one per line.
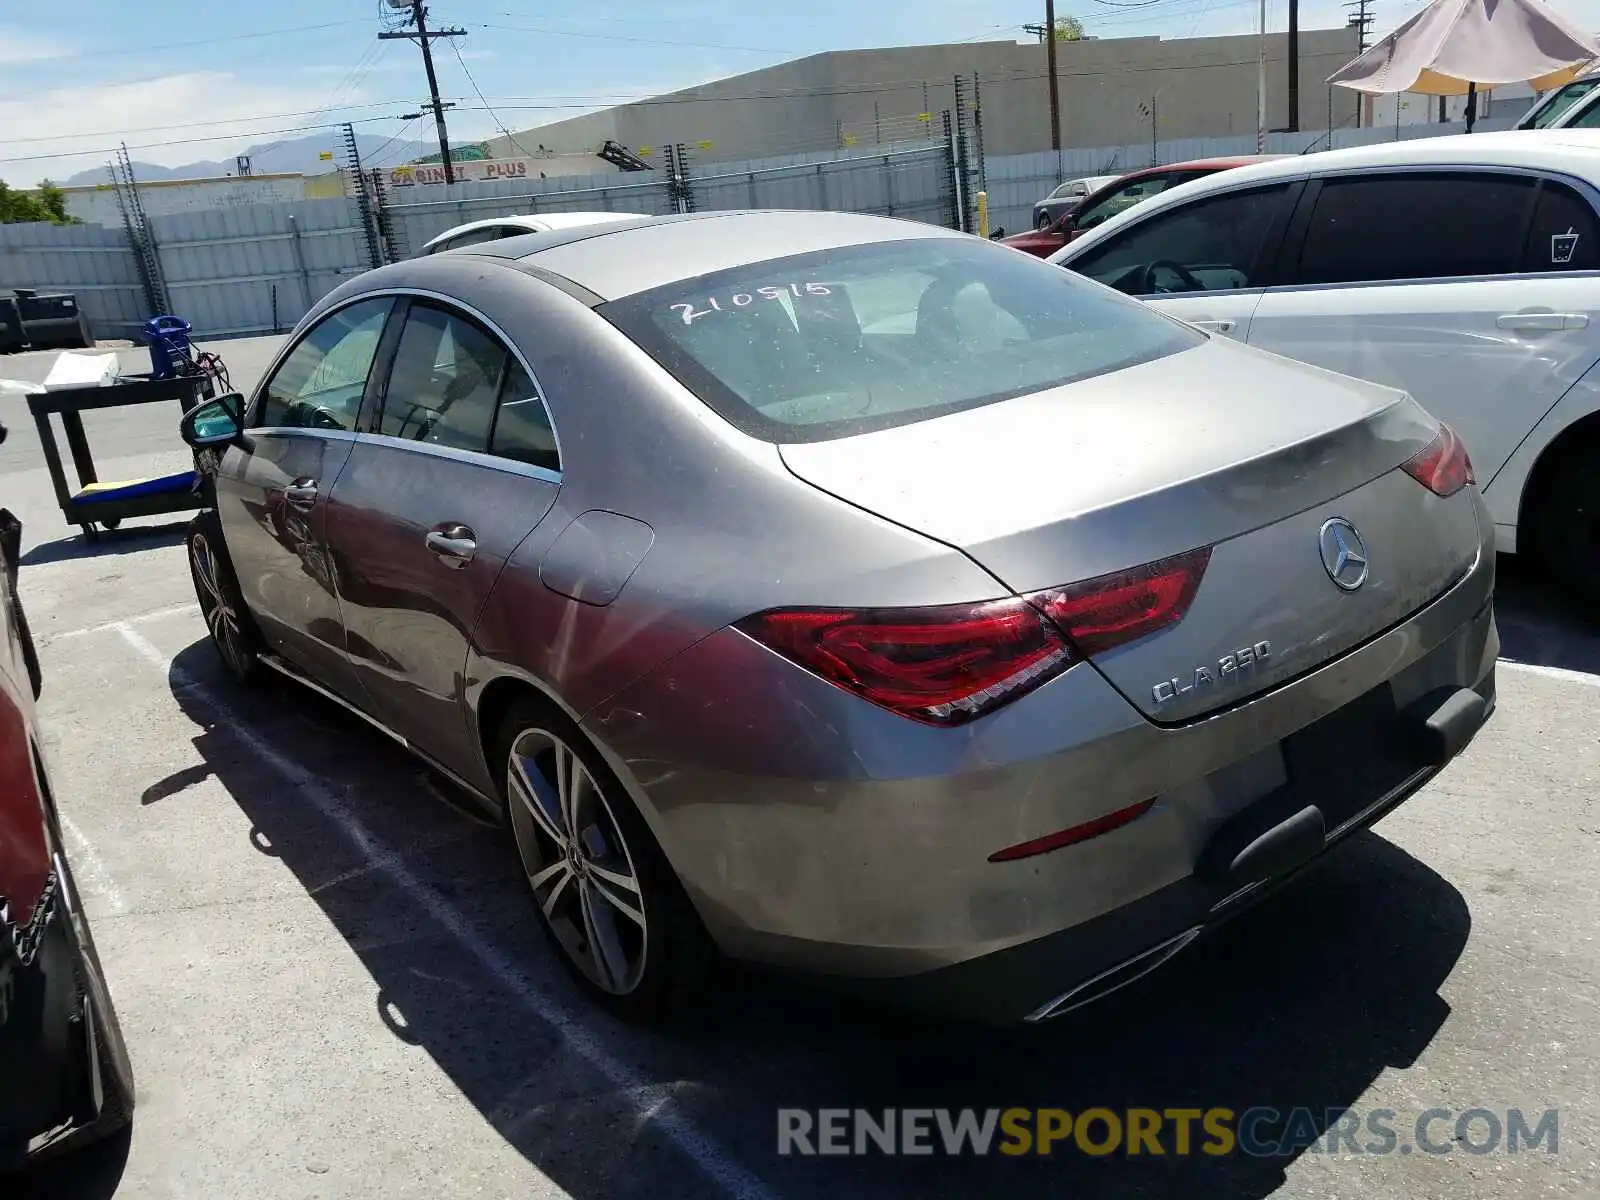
<point x="1542" y="320"/>
<point x="453" y="545"/>
<point x="1216" y="325"/>
<point x="302" y="492"/>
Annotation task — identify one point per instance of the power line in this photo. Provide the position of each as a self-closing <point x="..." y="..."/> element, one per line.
<point x="621" y="37"/>
<point x="152" y="48"/>
<point x="372" y="159"/>
<point x="494" y="116"/>
<point x="117" y="133"/>
<point x="215" y="137"/>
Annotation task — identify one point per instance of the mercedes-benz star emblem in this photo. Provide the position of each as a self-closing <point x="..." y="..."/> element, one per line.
<point x="1344" y="554"/>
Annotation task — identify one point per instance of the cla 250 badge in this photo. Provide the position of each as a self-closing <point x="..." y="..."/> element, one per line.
<point x="1226" y="671"/>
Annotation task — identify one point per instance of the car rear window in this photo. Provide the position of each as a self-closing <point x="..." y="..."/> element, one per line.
<point x="845" y="341"/>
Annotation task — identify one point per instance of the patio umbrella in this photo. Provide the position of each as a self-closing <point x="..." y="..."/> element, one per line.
<point x="1452" y="47"/>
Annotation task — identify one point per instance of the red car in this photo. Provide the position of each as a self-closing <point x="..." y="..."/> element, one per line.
<point x="65" y="1079"/>
<point x="1127" y="191"/>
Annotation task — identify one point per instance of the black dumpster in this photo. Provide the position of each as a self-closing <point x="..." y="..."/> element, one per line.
<point x="33" y="320"/>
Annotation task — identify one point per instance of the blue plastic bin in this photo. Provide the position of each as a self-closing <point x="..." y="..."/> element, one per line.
<point x="169" y="344"/>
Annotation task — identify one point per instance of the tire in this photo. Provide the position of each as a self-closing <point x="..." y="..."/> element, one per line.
<point x="216" y="587"/>
<point x="30" y="650"/>
<point x="111" y="1063"/>
<point x="101" y="1054"/>
<point x="1567" y="529"/>
<point x="608" y="900"/>
<point x="1043" y="222"/>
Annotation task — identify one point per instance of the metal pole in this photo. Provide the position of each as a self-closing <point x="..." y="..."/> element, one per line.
<point x="1055" y="86"/>
<point x="1294" y="66"/>
<point x="1155" y="142"/>
<point x="300" y="262"/>
<point x="1261" y="85"/>
<point x="433" y="88"/>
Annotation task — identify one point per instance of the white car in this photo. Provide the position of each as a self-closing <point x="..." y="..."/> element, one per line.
<point x="1464" y="270"/>
<point x="492" y="229"/>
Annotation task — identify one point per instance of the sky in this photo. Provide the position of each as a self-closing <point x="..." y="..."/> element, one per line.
<point x="204" y="80"/>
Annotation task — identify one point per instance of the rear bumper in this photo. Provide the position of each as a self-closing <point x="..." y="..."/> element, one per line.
<point x="816" y="832"/>
<point x="1288" y="831"/>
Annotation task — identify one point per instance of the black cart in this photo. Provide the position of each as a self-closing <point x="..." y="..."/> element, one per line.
<point x="93" y="504"/>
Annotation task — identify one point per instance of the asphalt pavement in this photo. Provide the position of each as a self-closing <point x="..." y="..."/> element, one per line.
<point x="332" y="984"/>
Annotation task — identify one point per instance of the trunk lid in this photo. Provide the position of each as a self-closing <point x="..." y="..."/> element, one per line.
<point x="1223" y="447"/>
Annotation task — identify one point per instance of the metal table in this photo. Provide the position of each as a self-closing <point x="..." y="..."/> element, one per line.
<point x="87" y="507"/>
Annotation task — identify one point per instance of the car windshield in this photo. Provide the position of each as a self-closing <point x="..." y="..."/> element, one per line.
<point x="844" y="341"/>
<point x="1558" y="103"/>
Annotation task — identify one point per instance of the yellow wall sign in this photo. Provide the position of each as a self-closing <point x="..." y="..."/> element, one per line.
<point x="705" y="145"/>
<point x="326" y="155"/>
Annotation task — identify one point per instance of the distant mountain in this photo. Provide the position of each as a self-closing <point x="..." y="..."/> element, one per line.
<point x="298" y="156"/>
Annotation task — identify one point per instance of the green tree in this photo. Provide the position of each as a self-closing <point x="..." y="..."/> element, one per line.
<point x="1069" y="29"/>
<point x="48" y="203"/>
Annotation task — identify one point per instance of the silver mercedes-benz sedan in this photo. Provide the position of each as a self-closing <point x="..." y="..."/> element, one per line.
<point x="854" y="596"/>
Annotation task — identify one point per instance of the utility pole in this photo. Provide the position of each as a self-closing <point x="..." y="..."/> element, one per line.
<point x="423" y="36"/>
<point x="1361" y="21"/>
<point x="1055" y="87"/>
<point x="1261" y="85"/>
<point x="1294" y="66"/>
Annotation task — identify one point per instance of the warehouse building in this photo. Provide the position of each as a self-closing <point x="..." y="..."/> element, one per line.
<point x="1112" y="92"/>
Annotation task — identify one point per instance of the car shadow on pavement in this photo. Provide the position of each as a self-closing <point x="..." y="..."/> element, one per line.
<point x="1299" y="1004"/>
<point x="129" y="540"/>
<point x="1538" y="628"/>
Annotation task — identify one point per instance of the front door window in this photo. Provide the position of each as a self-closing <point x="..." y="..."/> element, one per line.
<point x="321" y="382"/>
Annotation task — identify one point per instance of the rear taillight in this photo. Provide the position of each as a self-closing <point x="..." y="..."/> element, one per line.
<point x="1101" y="614"/>
<point x="948" y="665"/>
<point x="942" y="666"/>
<point x="1442" y="466"/>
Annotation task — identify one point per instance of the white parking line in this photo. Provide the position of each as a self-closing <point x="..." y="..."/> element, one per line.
<point x="649" y="1099"/>
<point x="155" y="614"/>
<point x="1561" y="673"/>
<point x="92" y="867"/>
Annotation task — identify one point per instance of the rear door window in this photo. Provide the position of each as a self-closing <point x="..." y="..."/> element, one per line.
<point x="476" y="237"/>
<point x="1563" y="235"/>
<point x="1403" y="225"/>
<point x="1207" y="245"/>
<point x="866" y="337"/>
<point x="522" y="429"/>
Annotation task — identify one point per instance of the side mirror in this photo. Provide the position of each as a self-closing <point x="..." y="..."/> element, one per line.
<point x="215" y="423"/>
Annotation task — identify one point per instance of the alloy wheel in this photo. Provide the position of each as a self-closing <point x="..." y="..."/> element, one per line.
<point x="221" y="617"/>
<point x="577" y="861"/>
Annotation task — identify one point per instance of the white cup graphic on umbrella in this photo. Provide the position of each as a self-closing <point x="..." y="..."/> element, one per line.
<point x="1562" y="246"/>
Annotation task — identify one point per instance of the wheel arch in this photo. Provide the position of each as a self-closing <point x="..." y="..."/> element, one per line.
<point x="499" y="695"/>
<point x="1585" y="431"/>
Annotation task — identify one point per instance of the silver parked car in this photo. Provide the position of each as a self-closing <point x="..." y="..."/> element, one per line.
<point x="853" y="595"/>
<point x="1067" y="197"/>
